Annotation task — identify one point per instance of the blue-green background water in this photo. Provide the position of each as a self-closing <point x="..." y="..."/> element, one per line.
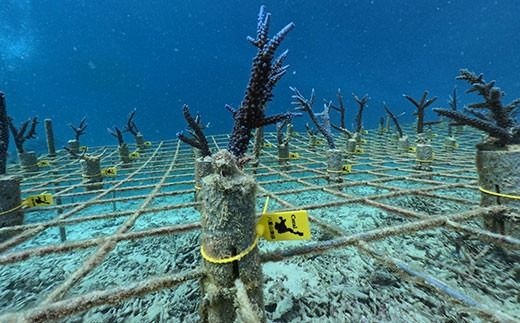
<point x="66" y="59"/>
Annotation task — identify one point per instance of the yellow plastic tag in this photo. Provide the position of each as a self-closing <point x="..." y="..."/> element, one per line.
<point x="290" y="225"/>
<point x="268" y="145"/>
<point x="365" y="132"/>
<point x="109" y="172"/>
<point x="43" y="163"/>
<point x="359" y="151"/>
<point x="148" y="144"/>
<point x="320" y="142"/>
<point x="83" y="148"/>
<point x="294" y="156"/>
<point x="134" y="155"/>
<point x="346" y="169"/>
<point x="363" y="141"/>
<point x="412" y="149"/>
<point x="295" y="134"/>
<point x="44" y="199"/>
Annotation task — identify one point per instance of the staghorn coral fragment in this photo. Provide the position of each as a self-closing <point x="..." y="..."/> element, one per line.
<point x="80" y="129"/>
<point x="421" y="106"/>
<point x="21" y="134"/>
<point x="303" y="104"/>
<point x="118" y="134"/>
<point x="394" y="119"/>
<point x="499" y="121"/>
<point x="198" y="139"/>
<point x="266" y="71"/>
<point x="362" y="103"/>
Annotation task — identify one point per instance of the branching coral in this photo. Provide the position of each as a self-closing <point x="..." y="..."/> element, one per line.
<point x="198" y="139"/>
<point x="116" y="132"/>
<point x="281" y="139"/>
<point x="394" y="119"/>
<point x="130" y="124"/>
<point x="341" y="108"/>
<point x="79" y="130"/>
<point x="23" y="133"/>
<point x="265" y="73"/>
<point x="4" y="134"/>
<point x="498" y="121"/>
<point x="362" y="103"/>
<point x="323" y="124"/>
<point x="421" y="107"/>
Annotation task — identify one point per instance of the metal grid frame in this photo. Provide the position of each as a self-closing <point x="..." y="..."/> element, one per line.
<point x="166" y="171"/>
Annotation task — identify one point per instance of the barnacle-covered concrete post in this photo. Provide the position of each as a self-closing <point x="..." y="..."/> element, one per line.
<point x="73" y="145"/>
<point x="49" y="134"/>
<point x="498" y="156"/>
<point x="424" y="154"/>
<point x="228" y="228"/>
<point x="203" y="168"/>
<point x="11" y="212"/>
<point x="132" y="128"/>
<point x="122" y="147"/>
<point x="283" y="143"/>
<point x="28" y="161"/>
<point x="91" y="172"/>
<point x="351" y="146"/>
<point x="334" y="165"/>
<point x="403" y="145"/>
<point x="498" y="170"/>
<point x="450" y="144"/>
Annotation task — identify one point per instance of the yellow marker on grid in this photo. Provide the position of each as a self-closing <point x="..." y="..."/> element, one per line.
<point x="412" y="149"/>
<point x="359" y="151"/>
<point x="148" y="144"/>
<point x="365" y="132"/>
<point x="346" y="169"/>
<point x="294" y="156"/>
<point x="44" y="199"/>
<point x="268" y="145"/>
<point x="290" y="225"/>
<point x="83" y="148"/>
<point x="109" y="172"/>
<point x="44" y="163"/>
<point x="134" y="155"/>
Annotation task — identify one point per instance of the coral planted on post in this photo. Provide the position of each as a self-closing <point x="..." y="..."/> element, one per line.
<point x="491" y="115"/>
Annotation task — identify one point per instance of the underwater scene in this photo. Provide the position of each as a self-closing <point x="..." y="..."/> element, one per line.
<point x="259" y="161"/>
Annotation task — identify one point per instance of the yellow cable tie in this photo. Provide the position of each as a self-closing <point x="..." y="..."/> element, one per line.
<point x="241" y="254"/>
<point x="508" y="196"/>
<point x="14" y="209"/>
<point x="424" y="160"/>
<point x="198" y="187"/>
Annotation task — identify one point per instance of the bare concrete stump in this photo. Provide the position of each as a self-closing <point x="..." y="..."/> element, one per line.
<point x="499" y="172"/>
<point x="203" y="168"/>
<point x="49" y="134"/>
<point x="228" y="228"/>
<point x="283" y="156"/>
<point x="124" y="155"/>
<point x="28" y="161"/>
<point x="403" y="145"/>
<point x="459" y="130"/>
<point x="73" y="145"/>
<point x="10" y="199"/>
<point x="91" y="173"/>
<point x="139" y="141"/>
<point x="450" y="144"/>
<point x="351" y="145"/>
<point x="424" y="155"/>
<point x="334" y="165"/>
<point x="358" y="137"/>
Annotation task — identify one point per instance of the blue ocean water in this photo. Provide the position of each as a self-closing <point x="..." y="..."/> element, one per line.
<point x="72" y="58"/>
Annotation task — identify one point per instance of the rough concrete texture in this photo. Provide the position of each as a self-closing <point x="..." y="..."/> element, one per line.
<point x="499" y="171"/>
<point x="73" y="145"/>
<point x="124" y="155"/>
<point x="228" y="227"/>
<point x="403" y="144"/>
<point x="49" y="134"/>
<point x="28" y="161"/>
<point x="334" y="164"/>
<point x="91" y="173"/>
<point x="10" y="198"/>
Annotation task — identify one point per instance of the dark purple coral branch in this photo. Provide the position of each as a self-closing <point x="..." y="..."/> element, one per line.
<point x="21" y="134"/>
<point x="394" y="119"/>
<point x="79" y="130"/>
<point x="421" y="107"/>
<point x="4" y="134"/>
<point x="118" y="134"/>
<point x="499" y="122"/>
<point x="198" y="139"/>
<point x="265" y="73"/>
<point x="130" y="124"/>
<point x="362" y="103"/>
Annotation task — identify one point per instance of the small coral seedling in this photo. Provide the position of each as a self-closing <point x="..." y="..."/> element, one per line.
<point x="421" y="106"/>
<point x="362" y="104"/>
<point x="197" y="139"/>
<point x="80" y="129"/>
<point x="26" y="131"/>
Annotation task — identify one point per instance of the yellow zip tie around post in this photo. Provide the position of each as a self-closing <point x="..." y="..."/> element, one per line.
<point x="259" y="232"/>
<point x="14" y="209"/>
<point x="507" y="196"/>
<point x="92" y="176"/>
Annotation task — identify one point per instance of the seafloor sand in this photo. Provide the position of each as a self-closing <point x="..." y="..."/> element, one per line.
<point x="343" y="285"/>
